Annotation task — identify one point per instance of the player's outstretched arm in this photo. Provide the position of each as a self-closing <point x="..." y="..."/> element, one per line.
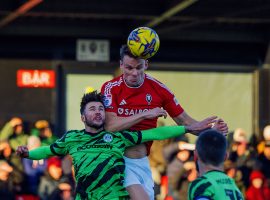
<point x="165" y="132"/>
<point x="35" y="154"/>
<point x="115" y="123"/>
<point x="185" y="119"/>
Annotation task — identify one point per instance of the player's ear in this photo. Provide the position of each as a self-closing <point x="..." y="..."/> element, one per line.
<point x="83" y="118"/>
<point x="121" y="65"/>
<point x="146" y="64"/>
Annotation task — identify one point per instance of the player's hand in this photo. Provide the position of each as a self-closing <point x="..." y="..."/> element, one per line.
<point x="155" y="112"/>
<point x="15" y="121"/>
<point x="221" y="126"/>
<point x="22" y="151"/>
<point x="201" y="125"/>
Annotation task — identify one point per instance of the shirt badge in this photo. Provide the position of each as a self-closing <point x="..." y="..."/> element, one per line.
<point x="108" y="137"/>
<point x="107" y="100"/>
<point x="148" y="99"/>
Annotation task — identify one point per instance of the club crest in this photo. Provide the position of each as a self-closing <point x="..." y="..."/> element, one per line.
<point x="107" y="137"/>
<point x="107" y="100"/>
<point x="148" y="98"/>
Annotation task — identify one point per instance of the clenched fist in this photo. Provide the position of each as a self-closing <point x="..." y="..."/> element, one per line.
<point x="22" y="151"/>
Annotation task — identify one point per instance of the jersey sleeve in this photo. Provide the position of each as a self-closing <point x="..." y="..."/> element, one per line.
<point x="200" y="189"/>
<point x="40" y="153"/>
<point x="109" y="97"/>
<point x="131" y="138"/>
<point x="170" y="103"/>
<point x="162" y="133"/>
<point x="60" y="146"/>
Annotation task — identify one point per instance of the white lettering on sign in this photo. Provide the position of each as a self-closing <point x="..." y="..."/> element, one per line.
<point x="35" y="78"/>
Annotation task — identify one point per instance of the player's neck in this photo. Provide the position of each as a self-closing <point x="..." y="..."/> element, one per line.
<point x="204" y="168"/>
<point x="140" y="83"/>
<point x="93" y="129"/>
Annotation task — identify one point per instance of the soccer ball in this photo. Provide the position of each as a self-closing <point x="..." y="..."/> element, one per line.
<point x="143" y="42"/>
<point x="88" y="89"/>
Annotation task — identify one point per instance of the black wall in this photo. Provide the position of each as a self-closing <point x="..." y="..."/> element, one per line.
<point x="30" y="104"/>
<point x="264" y="98"/>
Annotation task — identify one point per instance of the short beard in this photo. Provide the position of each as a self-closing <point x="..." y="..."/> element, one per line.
<point x="92" y="125"/>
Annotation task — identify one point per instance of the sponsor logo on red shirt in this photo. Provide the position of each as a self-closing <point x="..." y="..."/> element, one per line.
<point x="129" y="112"/>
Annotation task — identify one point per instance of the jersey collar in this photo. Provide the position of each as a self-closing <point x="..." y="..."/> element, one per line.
<point x="214" y="170"/>
<point x="93" y="134"/>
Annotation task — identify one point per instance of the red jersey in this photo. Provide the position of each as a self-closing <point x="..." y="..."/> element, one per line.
<point x="126" y="101"/>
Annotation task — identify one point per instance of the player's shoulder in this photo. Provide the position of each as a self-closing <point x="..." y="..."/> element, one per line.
<point x="73" y="133"/>
<point x="112" y="84"/>
<point x="198" y="181"/>
<point x="156" y="83"/>
<point x="113" y="80"/>
<point x="152" y="80"/>
<point x="200" y="188"/>
<point x="129" y="134"/>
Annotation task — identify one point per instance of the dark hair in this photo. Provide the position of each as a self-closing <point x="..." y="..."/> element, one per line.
<point x="91" y="97"/>
<point x="124" y="51"/>
<point x="211" y="146"/>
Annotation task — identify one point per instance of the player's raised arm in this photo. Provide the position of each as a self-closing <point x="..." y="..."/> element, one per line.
<point x="116" y="123"/>
<point x="185" y="119"/>
<point x="35" y="154"/>
<point x="166" y="132"/>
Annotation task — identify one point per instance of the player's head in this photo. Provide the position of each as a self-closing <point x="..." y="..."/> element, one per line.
<point x="92" y="110"/>
<point x="211" y="147"/>
<point x="132" y="67"/>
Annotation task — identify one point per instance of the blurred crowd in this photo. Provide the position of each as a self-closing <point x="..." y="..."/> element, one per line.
<point x="24" y="179"/>
<point x="172" y="164"/>
<point x="248" y="163"/>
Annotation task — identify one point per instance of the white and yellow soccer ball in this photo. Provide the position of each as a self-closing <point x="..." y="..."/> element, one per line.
<point x="143" y="42"/>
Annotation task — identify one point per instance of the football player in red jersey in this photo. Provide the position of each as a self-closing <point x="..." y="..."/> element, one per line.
<point x="134" y="101"/>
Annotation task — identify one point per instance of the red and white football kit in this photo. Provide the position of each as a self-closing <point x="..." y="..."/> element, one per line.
<point x="126" y="101"/>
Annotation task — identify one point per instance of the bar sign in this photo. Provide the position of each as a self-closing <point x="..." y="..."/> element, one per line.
<point x="36" y="78"/>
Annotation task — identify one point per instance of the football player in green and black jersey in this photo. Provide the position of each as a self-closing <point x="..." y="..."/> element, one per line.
<point x="212" y="183"/>
<point x="98" y="154"/>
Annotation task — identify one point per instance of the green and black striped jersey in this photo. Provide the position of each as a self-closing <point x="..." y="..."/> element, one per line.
<point x="98" y="161"/>
<point x="214" y="185"/>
